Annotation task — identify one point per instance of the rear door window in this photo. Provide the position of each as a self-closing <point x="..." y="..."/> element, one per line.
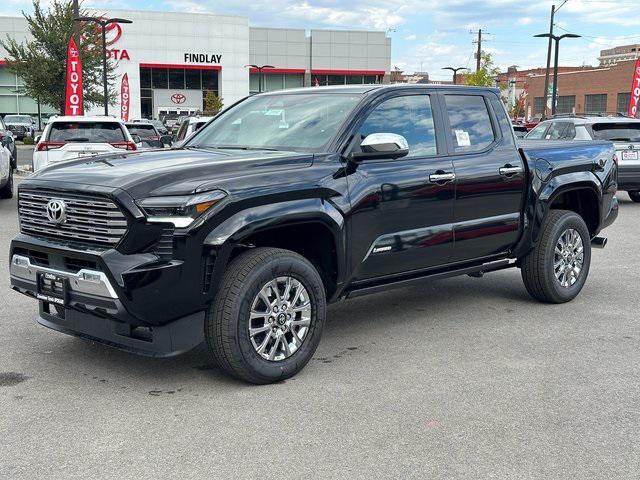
<point x="86" y="132"/>
<point x="556" y="132"/>
<point x="470" y="123"/>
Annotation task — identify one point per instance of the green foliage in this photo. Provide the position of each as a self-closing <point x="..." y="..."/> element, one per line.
<point x="212" y="103"/>
<point x="486" y="76"/>
<point x="28" y="140"/>
<point x="41" y="62"/>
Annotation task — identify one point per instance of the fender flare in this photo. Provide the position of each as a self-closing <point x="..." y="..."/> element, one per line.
<point x="557" y="186"/>
<point x="251" y="220"/>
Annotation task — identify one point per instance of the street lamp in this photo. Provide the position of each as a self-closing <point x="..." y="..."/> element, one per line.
<point x="455" y="72"/>
<point x="260" y="74"/>
<point x="557" y="39"/>
<point x="103" y="22"/>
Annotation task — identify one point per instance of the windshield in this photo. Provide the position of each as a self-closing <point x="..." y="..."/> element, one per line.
<point x="17" y="119"/>
<point x="142" y="130"/>
<point x="91" y="132"/>
<point x="288" y="121"/>
<point x="626" y="132"/>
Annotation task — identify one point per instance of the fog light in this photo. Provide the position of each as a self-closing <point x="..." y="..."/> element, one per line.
<point x="91" y="277"/>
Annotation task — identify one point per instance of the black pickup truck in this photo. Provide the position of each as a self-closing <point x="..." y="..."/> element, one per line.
<point x="289" y="200"/>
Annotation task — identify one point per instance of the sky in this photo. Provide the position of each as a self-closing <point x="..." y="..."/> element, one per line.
<point x="428" y="35"/>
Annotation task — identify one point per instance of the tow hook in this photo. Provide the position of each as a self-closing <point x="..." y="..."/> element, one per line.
<point x="599" y="242"/>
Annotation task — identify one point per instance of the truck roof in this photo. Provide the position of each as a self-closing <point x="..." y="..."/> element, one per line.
<point x="362" y="89"/>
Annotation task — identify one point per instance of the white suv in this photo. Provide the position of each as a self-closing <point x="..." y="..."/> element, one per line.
<point x="67" y="138"/>
<point x="189" y="126"/>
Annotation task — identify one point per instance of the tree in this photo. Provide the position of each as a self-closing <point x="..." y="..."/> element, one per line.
<point x="41" y="62"/>
<point x="486" y="76"/>
<point x="212" y="103"/>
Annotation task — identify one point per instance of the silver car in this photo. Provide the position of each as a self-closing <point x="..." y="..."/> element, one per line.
<point x="624" y="132"/>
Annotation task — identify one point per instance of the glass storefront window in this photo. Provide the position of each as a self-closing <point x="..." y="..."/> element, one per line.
<point x="6" y="77"/>
<point x="368" y="79"/>
<point x="354" y="79"/>
<point x="294" y="80"/>
<point x="146" y="93"/>
<point x="146" y="107"/>
<point x="145" y="78"/>
<point x="192" y="79"/>
<point x="335" y="79"/>
<point x="209" y="80"/>
<point x="273" y="82"/>
<point x="159" y="78"/>
<point x="176" y="78"/>
<point x="8" y="104"/>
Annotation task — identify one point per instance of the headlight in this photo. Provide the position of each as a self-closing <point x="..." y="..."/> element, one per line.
<point x="182" y="210"/>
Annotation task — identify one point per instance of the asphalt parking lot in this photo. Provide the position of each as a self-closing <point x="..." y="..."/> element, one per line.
<point x="462" y="378"/>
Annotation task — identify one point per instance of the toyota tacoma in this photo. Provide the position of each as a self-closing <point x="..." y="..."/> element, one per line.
<point x="290" y="200"/>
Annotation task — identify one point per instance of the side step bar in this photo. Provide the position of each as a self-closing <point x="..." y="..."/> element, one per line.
<point x="599" y="242"/>
<point x="477" y="270"/>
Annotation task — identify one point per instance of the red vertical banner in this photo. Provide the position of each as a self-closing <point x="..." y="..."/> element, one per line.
<point x="124" y="98"/>
<point x="635" y="91"/>
<point x="73" y="103"/>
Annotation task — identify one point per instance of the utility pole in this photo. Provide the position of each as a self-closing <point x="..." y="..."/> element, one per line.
<point x="479" y="53"/>
<point x="76" y="25"/>
<point x="546" y="76"/>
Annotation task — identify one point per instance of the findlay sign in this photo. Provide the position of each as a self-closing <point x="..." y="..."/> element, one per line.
<point x="202" y="58"/>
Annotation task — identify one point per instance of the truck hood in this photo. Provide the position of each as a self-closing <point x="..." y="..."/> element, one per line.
<point x="174" y="171"/>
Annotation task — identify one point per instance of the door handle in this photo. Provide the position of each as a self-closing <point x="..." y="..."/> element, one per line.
<point x="508" y="170"/>
<point x="442" y="177"/>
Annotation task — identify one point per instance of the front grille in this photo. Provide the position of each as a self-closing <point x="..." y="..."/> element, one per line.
<point x="90" y="220"/>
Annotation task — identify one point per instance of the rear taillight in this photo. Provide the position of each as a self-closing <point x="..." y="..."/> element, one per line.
<point x="155" y="137"/>
<point x="124" y="145"/>
<point x="45" y="146"/>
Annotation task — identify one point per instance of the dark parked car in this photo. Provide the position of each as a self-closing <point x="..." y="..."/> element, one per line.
<point x="160" y="127"/>
<point x="622" y="131"/>
<point x="147" y="134"/>
<point x="289" y="200"/>
<point x="520" y="131"/>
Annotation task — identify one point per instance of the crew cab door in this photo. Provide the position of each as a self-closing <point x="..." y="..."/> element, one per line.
<point x="490" y="175"/>
<point x="402" y="208"/>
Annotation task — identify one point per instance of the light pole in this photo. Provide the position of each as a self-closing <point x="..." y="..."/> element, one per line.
<point x="554" y="91"/>
<point x="260" y="74"/>
<point x="455" y="72"/>
<point x="103" y="22"/>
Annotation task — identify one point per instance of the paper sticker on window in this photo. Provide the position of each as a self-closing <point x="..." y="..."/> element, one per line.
<point x="463" y="139"/>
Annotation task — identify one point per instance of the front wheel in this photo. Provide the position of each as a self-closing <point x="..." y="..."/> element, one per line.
<point x="557" y="268"/>
<point x="635" y="196"/>
<point x="267" y="320"/>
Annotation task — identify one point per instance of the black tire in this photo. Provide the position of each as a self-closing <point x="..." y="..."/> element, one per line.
<point x="14" y="158"/>
<point x="227" y="322"/>
<point x="538" y="271"/>
<point x="7" y="190"/>
<point x="634" y="196"/>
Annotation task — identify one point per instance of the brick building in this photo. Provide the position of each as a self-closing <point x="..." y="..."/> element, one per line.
<point x="604" y="89"/>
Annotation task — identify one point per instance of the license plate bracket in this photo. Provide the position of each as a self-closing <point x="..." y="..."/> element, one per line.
<point x="52" y="288"/>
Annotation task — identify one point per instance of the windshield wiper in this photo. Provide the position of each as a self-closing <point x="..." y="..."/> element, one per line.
<point x="232" y="147"/>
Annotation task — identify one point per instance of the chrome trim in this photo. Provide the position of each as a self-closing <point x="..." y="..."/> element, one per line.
<point x="510" y="170"/>
<point x="22" y="268"/>
<point x="442" y="177"/>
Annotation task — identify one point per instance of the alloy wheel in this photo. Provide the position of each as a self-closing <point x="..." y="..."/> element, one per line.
<point x="568" y="258"/>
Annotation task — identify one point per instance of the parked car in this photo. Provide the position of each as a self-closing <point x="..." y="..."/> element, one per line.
<point x="8" y="141"/>
<point x="149" y="136"/>
<point x="66" y="138"/>
<point x="289" y="200"/>
<point x="6" y="172"/>
<point x="21" y="126"/>
<point x="160" y="127"/>
<point x="624" y="132"/>
<point x="533" y="122"/>
<point x="189" y="126"/>
<point x="520" y="131"/>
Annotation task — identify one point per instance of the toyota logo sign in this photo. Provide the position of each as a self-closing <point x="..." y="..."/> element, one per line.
<point x="57" y="211"/>
<point x="178" y="98"/>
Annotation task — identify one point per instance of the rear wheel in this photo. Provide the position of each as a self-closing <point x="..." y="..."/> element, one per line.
<point x="557" y="268"/>
<point x="7" y="190"/>
<point x="266" y="322"/>
<point x="635" y="196"/>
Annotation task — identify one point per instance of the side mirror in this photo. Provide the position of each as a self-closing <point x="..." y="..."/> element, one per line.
<point x="37" y="139"/>
<point x="381" y="146"/>
<point x="166" y="140"/>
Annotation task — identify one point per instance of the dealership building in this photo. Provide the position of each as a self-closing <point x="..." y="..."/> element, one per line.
<point x="173" y="60"/>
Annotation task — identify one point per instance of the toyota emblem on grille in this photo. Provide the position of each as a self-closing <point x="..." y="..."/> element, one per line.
<point x="57" y="211"/>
